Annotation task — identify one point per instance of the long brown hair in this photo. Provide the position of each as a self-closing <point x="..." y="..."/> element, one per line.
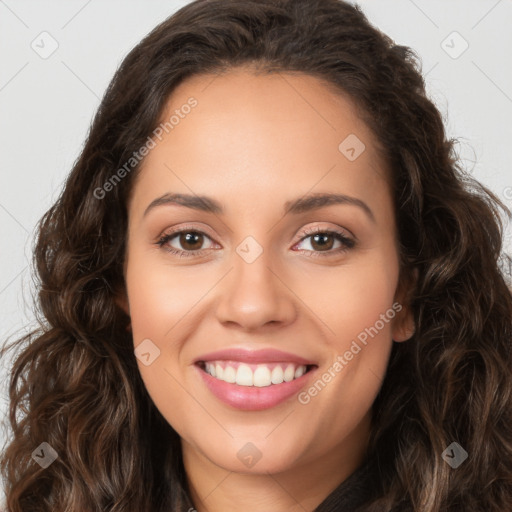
<point x="75" y="383"/>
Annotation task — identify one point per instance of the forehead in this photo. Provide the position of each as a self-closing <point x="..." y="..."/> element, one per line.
<point x="259" y="134"/>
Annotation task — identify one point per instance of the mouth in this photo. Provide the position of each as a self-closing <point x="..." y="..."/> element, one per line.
<point x="254" y="380"/>
<point x="254" y="375"/>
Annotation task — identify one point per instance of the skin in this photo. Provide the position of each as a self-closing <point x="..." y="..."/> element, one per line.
<point x="252" y="143"/>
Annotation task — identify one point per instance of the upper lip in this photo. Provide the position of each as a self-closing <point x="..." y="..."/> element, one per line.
<point x="253" y="356"/>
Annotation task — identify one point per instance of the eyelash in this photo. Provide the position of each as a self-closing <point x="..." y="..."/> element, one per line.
<point x="348" y="243"/>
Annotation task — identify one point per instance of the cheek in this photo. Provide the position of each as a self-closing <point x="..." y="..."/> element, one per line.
<point x="161" y="296"/>
<point x="351" y="298"/>
<point x="161" y="305"/>
<point x="358" y="307"/>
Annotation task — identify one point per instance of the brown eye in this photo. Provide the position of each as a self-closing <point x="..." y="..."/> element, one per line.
<point x="191" y="240"/>
<point x="186" y="242"/>
<point x="323" y="241"/>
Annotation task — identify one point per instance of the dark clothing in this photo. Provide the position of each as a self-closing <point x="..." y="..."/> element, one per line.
<point x="359" y="488"/>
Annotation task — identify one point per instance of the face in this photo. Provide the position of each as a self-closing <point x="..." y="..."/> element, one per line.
<point x="288" y="282"/>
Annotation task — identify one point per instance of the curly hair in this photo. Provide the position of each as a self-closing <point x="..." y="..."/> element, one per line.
<point x="75" y="383"/>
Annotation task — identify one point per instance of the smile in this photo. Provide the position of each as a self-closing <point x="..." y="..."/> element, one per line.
<point x="257" y="375"/>
<point x="254" y="387"/>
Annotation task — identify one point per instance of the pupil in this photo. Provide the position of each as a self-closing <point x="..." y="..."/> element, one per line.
<point x="322" y="237"/>
<point x="191" y="238"/>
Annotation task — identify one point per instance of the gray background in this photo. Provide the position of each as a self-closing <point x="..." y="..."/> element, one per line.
<point x="46" y="104"/>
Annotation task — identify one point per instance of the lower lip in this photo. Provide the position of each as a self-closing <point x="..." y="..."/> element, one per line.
<point x="253" y="398"/>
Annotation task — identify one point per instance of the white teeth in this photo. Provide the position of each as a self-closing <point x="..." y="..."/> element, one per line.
<point x="244" y="375"/>
<point x="229" y="374"/>
<point x="261" y="377"/>
<point x="277" y="375"/>
<point x="299" y="372"/>
<point x="289" y="373"/>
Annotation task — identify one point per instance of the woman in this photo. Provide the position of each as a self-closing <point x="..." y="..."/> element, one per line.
<point x="267" y="284"/>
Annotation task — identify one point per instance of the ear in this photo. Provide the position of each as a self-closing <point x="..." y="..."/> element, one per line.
<point x="121" y="299"/>
<point x="403" y="324"/>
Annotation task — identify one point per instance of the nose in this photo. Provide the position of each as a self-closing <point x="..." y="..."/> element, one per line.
<point x="254" y="295"/>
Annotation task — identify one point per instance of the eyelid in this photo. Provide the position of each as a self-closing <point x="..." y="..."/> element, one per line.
<point x="322" y="229"/>
<point x="187" y="227"/>
<point x="303" y="233"/>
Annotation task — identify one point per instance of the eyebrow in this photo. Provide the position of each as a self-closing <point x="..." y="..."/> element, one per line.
<point x="296" y="206"/>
